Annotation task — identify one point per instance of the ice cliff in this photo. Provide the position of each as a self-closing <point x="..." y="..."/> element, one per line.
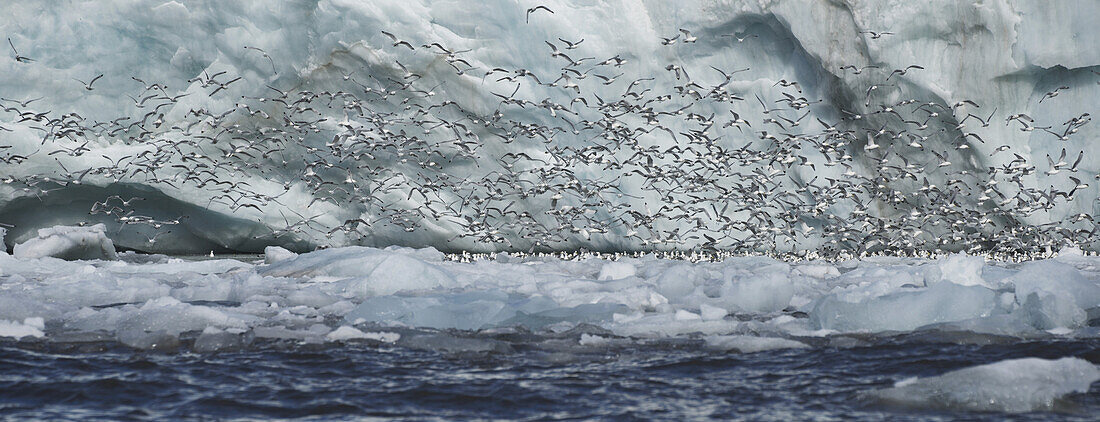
<point x="1004" y="55"/>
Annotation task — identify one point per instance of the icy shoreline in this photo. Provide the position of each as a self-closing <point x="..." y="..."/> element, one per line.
<point x="307" y="297"/>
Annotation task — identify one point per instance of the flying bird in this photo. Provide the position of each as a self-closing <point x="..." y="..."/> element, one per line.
<point x="535" y="9"/>
<point x="876" y="35"/>
<point x="397" y="42"/>
<point x="88" y="85"/>
<point x="571" y="45"/>
<point x="688" y="38"/>
<point x="19" y="58"/>
<point x="265" y="55"/>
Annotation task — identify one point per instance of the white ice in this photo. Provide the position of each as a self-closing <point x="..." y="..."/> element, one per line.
<point x="1003" y="54"/>
<point x="68" y="243"/>
<point x="147" y="300"/>
<point x="30" y="327"/>
<point x="1017" y="385"/>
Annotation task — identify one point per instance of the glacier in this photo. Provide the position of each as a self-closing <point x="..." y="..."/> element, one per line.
<point x="68" y="158"/>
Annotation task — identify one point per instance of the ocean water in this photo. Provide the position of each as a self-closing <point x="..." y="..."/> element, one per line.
<point x="525" y="377"/>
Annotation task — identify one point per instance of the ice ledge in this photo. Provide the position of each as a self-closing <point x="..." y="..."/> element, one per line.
<point x="69" y="243"/>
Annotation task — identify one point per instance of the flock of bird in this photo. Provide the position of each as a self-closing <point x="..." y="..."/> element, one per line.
<point x="653" y="168"/>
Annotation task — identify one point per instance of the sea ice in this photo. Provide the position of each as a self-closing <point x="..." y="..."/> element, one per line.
<point x="963" y="269"/>
<point x="616" y="270"/>
<point x="346" y="332"/>
<point x="273" y="254"/>
<point x="213" y="339"/>
<point x="30" y="327"/>
<point x="366" y="271"/>
<point x="1052" y="294"/>
<point x="146" y="304"/>
<point x="905" y="310"/>
<point x="1017" y="385"/>
<point x="68" y="243"/>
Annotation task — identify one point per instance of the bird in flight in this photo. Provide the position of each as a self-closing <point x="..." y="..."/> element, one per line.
<point x="741" y="38"/>
<point x="535" y="9"/>
<point x="19" y="58"/>
<point x="397" y="42"/>
<point x="902" y="72"/>
<point x="876" y="35"/>
<point x="88" y="85"/>
<point x="265" y="55"/>
<point x="1052" y="94"/>
<point x="858" y="70"/>
<point x="688" y="38"/>
<point x="571" y="45"/>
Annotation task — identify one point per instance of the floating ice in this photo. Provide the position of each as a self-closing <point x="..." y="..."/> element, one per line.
<point x="678" y="281"/>
<point x="1017" y="385"/>
<point x="161" y="303"/>
<point x="68" y="243"/>
<point x="274" y="254"/>
<point x="366" y="271"/>
<point x="593" y="340"/>
<point x="30" y="327"/>
<point x="764" y="291"/>
<point x="963" y="270"/>
<point x="157" y="340"/>
<point x="345" y="333"/>
<point x="616" y="270"/>
<point x="906" y="310"/>
<point x="214" y="339"/>
<point x="1052" y="294"/>
<point x="752" y="344"/>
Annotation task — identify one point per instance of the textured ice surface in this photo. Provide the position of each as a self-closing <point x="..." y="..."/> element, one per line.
<point x="68" y="243"/>
<point x="31" y="327"/>
<point x="1018" y="385"/>
<point x="1002" y="54"/>
<point x="273" y="254"/>
<point x="906" y="310"/>
<point x="740" y="303"/>
<point x="345" y="333"/>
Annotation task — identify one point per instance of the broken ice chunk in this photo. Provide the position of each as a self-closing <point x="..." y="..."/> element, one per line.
<point x="69" y="243"/>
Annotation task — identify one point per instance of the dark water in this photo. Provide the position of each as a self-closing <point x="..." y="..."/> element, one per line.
<point x="528" y="380"/>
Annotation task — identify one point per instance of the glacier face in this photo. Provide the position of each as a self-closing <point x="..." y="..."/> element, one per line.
<point x="1003" y="55"/>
